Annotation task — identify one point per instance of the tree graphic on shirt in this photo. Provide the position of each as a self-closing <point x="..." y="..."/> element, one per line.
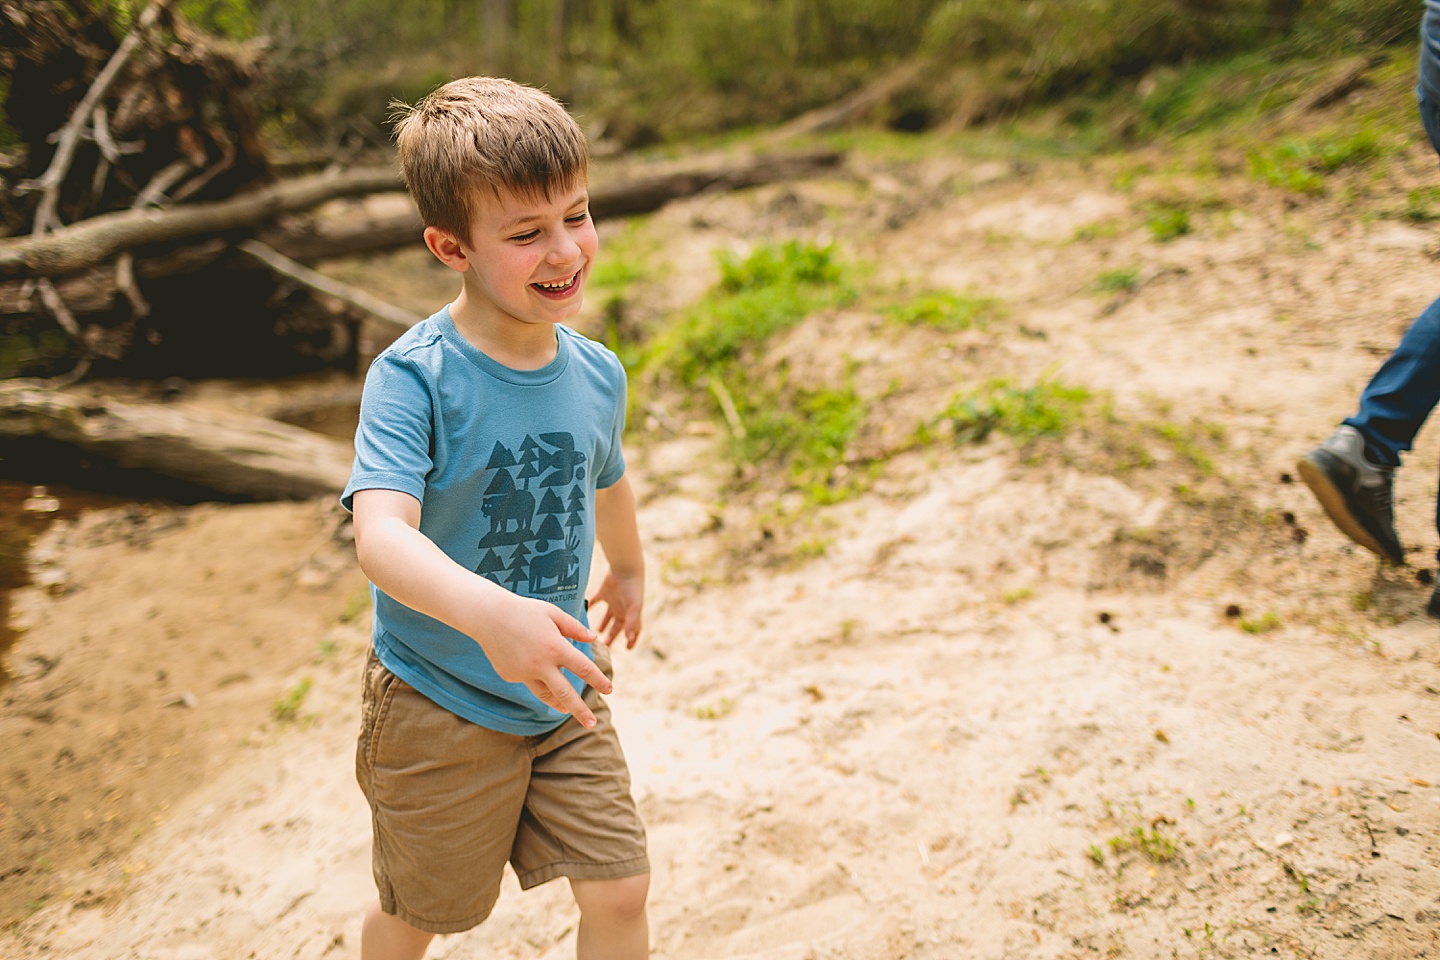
<point x="545" y="536"/>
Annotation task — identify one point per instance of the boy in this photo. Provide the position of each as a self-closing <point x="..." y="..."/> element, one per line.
<point x="487" y="463"/>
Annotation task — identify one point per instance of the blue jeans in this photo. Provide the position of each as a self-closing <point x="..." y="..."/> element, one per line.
<point x="1399" y="398"/>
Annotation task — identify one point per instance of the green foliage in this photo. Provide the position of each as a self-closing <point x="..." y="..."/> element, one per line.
<point x="767" y="291"/>
<point x="227" y="18"/>
<point x="287" y="708"/>
<point x="808" y="429"/>
<point x="1420" y="205"/>
<point x="718" y="345"/>
<point x="1301" y="165"/>
<point x="664" y="69"/>
<point x="1264" y="623"/>
<point x="947" y="311"/>
<point x="1153" y="844"/>
<point x="1168" y="221"/>
<point x="1117" y="281"/>
<point x="1046" y="409"/>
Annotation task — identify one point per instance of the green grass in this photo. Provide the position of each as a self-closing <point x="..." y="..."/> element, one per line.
<point x="1046" y="409"/>
<point x="1117" y="281"/>
<point x="1264" y="623"/>
<point x="759" y="296"/>
<point x="717" y="349"/>
<point x="945" y="311"/>
<point x="287" y="708"/>
<point x="1154" y="845"/>
<point x="1169" y="221"/>
<point x="1302" y="165"/>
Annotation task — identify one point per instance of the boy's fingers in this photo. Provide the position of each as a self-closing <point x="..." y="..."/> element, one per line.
<point x="563" y="697"/>
<point x="584" y="668"/>
<point x="570" y="627"/>
<point x="572" y="703"/>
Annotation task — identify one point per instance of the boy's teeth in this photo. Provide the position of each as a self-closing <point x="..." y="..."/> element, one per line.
<point x="557" y="285"/>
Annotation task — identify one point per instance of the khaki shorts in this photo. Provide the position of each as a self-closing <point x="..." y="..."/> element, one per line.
<point x="451" y="802"/>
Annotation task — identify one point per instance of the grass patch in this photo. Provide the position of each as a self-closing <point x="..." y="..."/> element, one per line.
<point x="717" y="349"/>
<point x="1047" y="409"/>
<point x="1302" y="165"/>
<point x="945" y="311"/>
<point x="1190" y="441"/>
<point x="287" y="708"/>
<point x="1265" y="623"/>
<point x="1117" y="281"/>
<point x="1169" y="221"/>
<point x="1153" y="844"/>
<point x="760" y="295"/>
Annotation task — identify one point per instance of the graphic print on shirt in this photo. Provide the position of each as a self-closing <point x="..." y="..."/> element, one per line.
<point x="532" y="540"/>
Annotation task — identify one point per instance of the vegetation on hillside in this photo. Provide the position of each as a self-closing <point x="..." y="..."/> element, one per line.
<point x="644" y="71"/>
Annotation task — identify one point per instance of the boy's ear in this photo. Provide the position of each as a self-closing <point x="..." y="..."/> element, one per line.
<point x="447" y="249"/>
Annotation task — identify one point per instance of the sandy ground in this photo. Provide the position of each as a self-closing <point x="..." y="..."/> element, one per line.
<point x="1008" y="703"/>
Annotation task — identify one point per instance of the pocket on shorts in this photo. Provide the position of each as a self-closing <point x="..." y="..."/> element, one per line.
<point x="377" y="694"/>
<point x="603" y="659"/>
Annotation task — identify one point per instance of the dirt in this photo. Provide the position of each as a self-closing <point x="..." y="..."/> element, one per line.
<point x="1124" y="693"/>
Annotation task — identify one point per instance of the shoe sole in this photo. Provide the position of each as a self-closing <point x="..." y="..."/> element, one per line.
<point x="1332" y="500"/>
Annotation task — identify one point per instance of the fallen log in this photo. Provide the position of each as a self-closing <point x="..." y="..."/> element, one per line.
<point x="92" y="242"/>
<point x="247" y="458"/>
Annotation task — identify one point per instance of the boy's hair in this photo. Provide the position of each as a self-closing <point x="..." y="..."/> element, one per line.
<point x="485" y="133"/>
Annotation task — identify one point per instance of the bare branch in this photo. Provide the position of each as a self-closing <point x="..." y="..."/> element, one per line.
<point x="46" y="215"/>
<point x="125" y="282"/>
<point x="388" y="314"/>
<point x="56" y="305"/>
<point x="166" y="178"/>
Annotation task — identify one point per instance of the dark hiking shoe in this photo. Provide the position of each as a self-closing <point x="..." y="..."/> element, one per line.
<point x="1354" y="492"/>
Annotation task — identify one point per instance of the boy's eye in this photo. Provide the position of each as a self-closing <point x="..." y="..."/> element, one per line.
<point x="579" y="217"/>
<point x="524" y="237"/>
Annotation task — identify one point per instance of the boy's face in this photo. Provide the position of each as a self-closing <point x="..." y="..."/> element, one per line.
<point x="525" y="260"/>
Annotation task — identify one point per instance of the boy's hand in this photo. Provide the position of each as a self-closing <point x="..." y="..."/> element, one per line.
<point x="525" y="640"/>
<point x="623" y="598"/>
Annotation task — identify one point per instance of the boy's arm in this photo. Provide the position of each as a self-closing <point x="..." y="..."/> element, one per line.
<point x="524" y="638"/>
<point x="623" y="589"/>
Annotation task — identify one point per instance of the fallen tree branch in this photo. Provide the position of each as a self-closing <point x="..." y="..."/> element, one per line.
<point x="388" y="314"/>
<point x="94" y="241"/>
<point x="244" y="457"/>
<point x="607" y="200"/>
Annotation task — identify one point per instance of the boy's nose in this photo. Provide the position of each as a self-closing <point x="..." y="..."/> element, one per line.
<point x="564" y="251"/>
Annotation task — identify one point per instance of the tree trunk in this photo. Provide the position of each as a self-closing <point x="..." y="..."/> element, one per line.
<point x="246" y="458"/>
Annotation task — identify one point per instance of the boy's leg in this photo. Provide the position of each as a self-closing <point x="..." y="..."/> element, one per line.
<point x="445" y="799"/>
<point x="580" y="822"/>
<point x="387" y="937"/>
<point x="613" y="923"/>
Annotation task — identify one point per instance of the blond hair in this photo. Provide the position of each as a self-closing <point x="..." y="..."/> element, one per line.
<point x="485" y="133"/>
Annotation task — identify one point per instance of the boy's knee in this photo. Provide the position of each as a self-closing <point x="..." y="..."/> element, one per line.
<point x="613" y="900"/>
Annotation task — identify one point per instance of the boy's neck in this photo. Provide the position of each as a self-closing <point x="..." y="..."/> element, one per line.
<point x="509" y="342"/>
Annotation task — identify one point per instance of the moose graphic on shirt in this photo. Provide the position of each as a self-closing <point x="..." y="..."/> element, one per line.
<point x="532" y="539"/>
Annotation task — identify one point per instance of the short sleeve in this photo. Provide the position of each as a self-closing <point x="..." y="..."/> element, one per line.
<point x="394" y="443"/>
<point x="613" y="468"/>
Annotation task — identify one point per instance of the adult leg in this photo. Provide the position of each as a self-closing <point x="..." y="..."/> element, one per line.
<point x="386" y="937"/>
<point x="1352" y="473"/>
<point x="613" y="922"/>
<point x="1399" y="398"/>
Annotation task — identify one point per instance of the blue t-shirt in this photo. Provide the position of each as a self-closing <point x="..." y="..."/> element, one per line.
<point x="505" y="464"/>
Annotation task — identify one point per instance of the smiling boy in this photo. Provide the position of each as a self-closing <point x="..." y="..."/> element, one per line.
<point x="487" y="463"/>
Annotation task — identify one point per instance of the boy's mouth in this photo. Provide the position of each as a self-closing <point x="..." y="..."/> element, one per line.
<point x="558" y="287"/>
